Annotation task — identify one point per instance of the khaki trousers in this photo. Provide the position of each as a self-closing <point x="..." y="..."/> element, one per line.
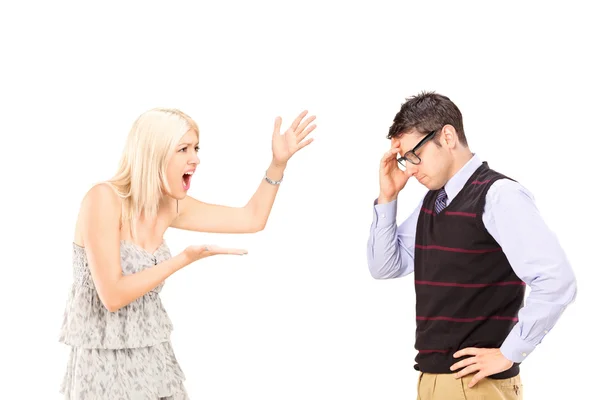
<point x="447" y="387"/>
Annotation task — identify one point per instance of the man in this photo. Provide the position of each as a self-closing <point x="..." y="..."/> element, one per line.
<point x="473" y="243"/>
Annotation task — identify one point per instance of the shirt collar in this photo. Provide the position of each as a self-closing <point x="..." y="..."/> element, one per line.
<point x="458" y="181"/>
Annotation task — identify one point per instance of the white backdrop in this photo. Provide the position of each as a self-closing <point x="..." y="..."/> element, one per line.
<point x="299" y="317"/>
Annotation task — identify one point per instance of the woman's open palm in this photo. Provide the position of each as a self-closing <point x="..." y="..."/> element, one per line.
<point x="292" y="140"/>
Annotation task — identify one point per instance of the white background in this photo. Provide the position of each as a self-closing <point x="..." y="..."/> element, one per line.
<point x="299" y="317"/>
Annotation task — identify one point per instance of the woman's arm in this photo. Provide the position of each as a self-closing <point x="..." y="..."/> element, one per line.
<point x="195" y="215"/>
<point x="100" y="215"/>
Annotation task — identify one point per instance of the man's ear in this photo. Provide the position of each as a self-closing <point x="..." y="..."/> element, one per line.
<point x="448" y="137"/>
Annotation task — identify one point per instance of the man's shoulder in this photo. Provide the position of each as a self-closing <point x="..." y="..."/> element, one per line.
<point x="508" y="188"/>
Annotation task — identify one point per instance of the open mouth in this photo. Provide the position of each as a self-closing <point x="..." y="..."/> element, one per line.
<point x="187" y="180"/>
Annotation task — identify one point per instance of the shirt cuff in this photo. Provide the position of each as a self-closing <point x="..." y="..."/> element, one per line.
<point x="516" y="349"/>
<point x="384" y="215"/>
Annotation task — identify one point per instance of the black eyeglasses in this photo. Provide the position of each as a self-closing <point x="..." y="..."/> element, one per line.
<point x="411" y="156"/>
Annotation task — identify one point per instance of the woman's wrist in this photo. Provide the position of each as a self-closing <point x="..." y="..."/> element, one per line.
<point x="276" y="170"/>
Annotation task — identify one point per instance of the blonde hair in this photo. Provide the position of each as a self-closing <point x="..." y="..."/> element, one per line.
<point x="141" y="177"/>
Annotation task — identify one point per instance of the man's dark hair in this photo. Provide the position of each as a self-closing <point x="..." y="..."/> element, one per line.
<point x="427" y="112"/>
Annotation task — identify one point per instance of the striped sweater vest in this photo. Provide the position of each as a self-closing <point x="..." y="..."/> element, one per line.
<point x="467" y="294"/>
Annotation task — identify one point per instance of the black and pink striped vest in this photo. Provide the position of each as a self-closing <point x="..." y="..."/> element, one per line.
<point x="466" y="291"/>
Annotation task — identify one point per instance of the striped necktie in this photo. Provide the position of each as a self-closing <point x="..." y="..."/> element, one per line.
<point x="440" y="202"/>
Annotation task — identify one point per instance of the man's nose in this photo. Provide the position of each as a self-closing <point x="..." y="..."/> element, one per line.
<point x="411" y="169"/>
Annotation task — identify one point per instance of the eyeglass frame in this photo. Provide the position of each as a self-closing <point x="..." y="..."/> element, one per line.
<point x="427" y="138"/>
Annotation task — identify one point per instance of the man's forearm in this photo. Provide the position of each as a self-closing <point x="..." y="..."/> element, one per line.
<point x="390" y="248"/>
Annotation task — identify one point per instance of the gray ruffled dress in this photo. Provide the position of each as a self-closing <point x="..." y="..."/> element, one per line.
<point x="125" y="354"/>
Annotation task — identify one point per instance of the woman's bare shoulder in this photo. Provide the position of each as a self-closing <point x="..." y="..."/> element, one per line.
<point x="103" y="193"/>
<point x="101" y="201"/>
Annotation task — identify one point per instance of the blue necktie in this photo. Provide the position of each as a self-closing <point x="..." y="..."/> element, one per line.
<point x="440" y="202"/>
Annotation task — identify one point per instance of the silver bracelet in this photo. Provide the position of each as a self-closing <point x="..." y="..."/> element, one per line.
<point x="271" y="181"/>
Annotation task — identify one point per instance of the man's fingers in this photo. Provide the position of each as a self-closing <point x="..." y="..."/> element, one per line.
<point x="388" y="155"/>
<point x="469" y="351"/>
<point x="479" y="376"/>
<point x="463" y="363"/>
<point x="468" y="370"/>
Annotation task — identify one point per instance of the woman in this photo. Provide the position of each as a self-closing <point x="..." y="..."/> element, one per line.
<point x="114" y="321"/>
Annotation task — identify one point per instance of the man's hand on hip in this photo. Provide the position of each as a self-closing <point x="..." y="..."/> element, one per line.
<point x="486" y="361"/>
